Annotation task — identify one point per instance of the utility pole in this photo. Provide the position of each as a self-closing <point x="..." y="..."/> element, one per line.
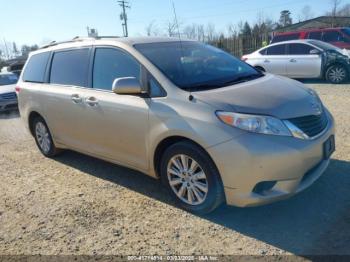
<point x="123" y="16"/>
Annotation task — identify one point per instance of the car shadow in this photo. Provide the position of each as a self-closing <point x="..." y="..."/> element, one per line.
<point x="320" y="82"/>
<point x="315" y="222"/>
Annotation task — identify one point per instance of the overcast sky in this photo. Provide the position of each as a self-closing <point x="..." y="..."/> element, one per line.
<point x="38" y="21"/>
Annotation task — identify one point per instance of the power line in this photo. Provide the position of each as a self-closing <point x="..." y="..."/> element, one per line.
<point x="123" y="16"/>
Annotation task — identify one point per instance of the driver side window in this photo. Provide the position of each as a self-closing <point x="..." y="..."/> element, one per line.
<point x="112" y="63"/>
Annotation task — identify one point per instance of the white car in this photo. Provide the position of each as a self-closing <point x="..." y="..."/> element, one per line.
<point x="302" y="59"/>
<point x="8" y="97"/>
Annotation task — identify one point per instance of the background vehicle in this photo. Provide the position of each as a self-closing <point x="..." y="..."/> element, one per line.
<point x="339" y="37"/>
<point x="170" y="109"/>
<point x="8" y="98"/>
<point x="302" y="59"/>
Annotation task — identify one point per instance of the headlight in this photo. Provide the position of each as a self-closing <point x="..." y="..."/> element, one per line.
<point x="254" y="123"/>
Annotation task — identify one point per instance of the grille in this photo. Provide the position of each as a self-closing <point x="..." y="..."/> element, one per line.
<point x="8" y="96"/>
<point x="311" y="125"/>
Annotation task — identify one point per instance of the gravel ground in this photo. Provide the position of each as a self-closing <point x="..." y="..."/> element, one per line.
<point x="76" y="204"/>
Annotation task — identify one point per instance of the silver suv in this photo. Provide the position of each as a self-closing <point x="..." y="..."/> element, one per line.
<point x="210" y="126"/>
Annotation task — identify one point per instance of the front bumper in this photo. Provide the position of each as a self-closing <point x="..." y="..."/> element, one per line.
<point x="292" y="164"/>
<point x="7" y="105"/>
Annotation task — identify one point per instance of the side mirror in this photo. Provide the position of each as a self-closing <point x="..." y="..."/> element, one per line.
<point x="315" y="52"/>
<point x="126" y="86"/>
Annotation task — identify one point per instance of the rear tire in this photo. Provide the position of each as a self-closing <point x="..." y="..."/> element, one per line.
<point x="191" y="178"/>
<point x="43" y="138"/>
<point x="336" y="74"/>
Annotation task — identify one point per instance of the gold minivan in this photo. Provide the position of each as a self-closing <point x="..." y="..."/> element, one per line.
<point x="210" y="126"/>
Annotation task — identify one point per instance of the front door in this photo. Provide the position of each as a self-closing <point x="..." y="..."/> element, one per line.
<point x="303" y="62"/>
<point x="117" y="125"/>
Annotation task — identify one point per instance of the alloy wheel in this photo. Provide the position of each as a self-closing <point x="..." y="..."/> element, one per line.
<point x="43" y="137"/>
<point x="187" y="179"/>
<point x="337" y="74"/>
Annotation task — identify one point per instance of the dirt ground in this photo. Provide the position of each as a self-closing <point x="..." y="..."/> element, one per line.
<point x="76" y="204"/>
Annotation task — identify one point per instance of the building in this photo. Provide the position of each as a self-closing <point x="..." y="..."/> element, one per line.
<point x="318" y="22"/>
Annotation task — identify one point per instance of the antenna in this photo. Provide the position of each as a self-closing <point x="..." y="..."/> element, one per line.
<point x="181" y="46"/>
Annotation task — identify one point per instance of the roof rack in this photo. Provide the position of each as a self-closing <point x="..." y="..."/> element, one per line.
<point x="76" y="39"/>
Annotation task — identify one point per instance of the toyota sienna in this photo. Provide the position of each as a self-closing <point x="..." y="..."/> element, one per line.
<point x="211" y="127"/>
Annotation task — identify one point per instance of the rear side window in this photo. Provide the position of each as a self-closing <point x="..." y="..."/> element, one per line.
<point x="332" y="36"/>
<point x="315" y="35"/>
<point x="281" y="38"/>
<point x="300" y="49"/>
<point x="70" y="67"/>
<point x="35" y="68"/>
<point x="276" y="50"/>
<point x="110" y="64"/>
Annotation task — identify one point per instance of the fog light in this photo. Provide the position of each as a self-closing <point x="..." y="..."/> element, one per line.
<point x="262" y="187"/>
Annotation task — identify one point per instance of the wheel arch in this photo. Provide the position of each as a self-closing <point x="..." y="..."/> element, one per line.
<point x="333" y="64"/>
<point x="166" y="143"/>
<point x="32" y="115"/>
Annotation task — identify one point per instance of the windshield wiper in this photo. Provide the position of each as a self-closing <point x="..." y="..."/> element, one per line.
<point x="201" y="87"/>
<point x="242" y="79"/>
<point x="207" y="86"/>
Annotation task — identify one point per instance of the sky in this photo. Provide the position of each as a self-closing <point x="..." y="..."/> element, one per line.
<point x="42" y="21"/>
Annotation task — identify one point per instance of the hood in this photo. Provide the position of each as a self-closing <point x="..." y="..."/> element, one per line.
<point x="270" y="95"/>
<point x="7" y="89"/>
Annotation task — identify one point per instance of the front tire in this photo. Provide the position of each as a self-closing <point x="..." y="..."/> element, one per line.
<point x="192" y="178"/>
<point x="43" y="138"/>
<point x="336" y="74"/>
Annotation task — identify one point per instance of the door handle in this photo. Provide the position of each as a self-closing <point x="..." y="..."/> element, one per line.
<point x="293" y="61"/>
<point x="91" y="101"/>
<point x="267" y="61"/>
<point x="76" y="98"/>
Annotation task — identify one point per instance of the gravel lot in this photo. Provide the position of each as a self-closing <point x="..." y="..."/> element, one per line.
<point x="76" y="204"/>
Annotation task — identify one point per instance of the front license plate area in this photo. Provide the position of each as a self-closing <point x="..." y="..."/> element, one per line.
<point x="329" y="147"/>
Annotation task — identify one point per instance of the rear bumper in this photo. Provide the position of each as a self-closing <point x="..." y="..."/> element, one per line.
<point x="290" y="164"/>
<point x="7" y="105"/>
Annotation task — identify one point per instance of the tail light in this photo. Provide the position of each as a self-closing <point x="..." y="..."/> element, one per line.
<point x="244" y="58"/>
<point x="17" y="88"/>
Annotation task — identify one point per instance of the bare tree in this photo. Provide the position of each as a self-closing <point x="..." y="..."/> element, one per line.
<point x="344" y="11"/>
<point x="196" y="32"/>
<point x="232" y="30"/>
<point x="151" y="29"/>
<point x="210" y="31"/>
<point x="335" y="5"/>
<point x="172" y="27"/>
<point x="306" y="13"/>
<point x="190" y="31"/>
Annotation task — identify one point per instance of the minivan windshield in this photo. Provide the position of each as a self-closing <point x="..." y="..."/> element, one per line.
<point x="8" y="79"/>
<point x="195" y="66"/>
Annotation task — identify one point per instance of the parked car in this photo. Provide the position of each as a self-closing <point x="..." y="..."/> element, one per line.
<point x="8" y="98"/>
<point x="210" y="126"/>
<point x="339" y="37"/>
<point x="302" y="59"/>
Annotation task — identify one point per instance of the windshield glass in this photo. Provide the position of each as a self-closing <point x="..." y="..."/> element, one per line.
<point x="8" y="79"/>
<point x="325" y="46"/>
<point x="195" y="66"/>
